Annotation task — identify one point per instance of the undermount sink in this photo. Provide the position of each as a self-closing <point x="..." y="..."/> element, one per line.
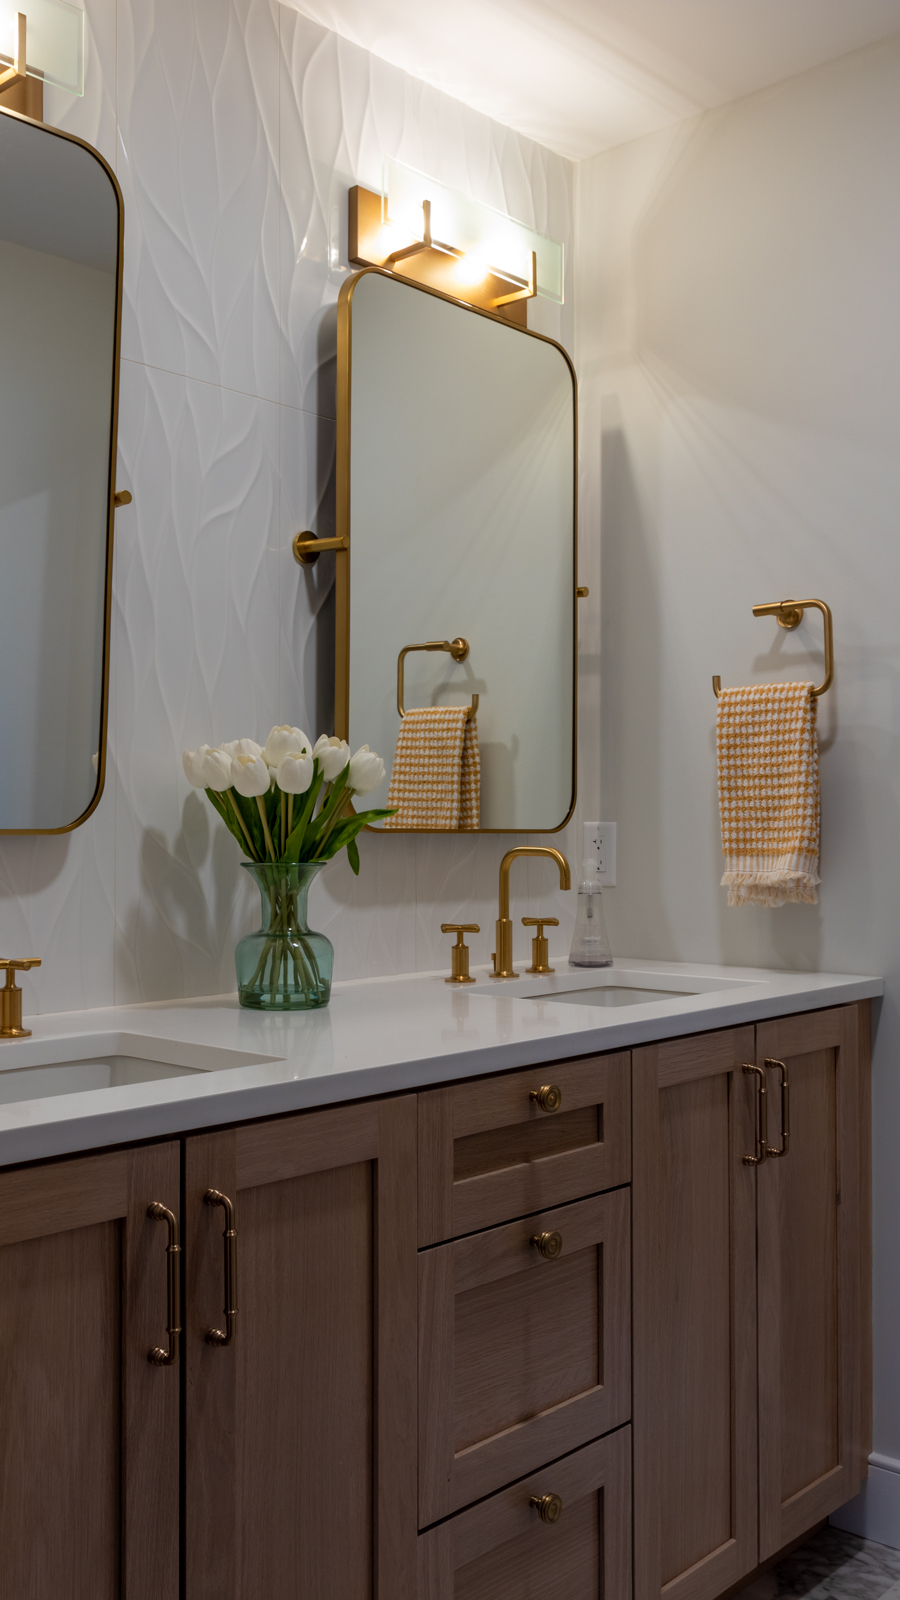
<point x="39" y="1069"/>
<point x="611" y="994"/>
<point x="605" y="987"/>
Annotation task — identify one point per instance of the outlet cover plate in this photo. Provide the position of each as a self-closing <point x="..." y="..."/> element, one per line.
<point x="600" y="844"/>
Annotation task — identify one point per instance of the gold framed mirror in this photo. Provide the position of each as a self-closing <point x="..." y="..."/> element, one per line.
<point x="61" y="245"/>
<point x="456" y="559"/>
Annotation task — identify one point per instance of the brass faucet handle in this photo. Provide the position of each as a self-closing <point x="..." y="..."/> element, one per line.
<point x="11" y="998"/>
<point x="459" y="955"/>
<point x="540" y="950"/>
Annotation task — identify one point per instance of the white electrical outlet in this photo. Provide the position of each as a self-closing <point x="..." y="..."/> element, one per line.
<point x="600" y="845"/>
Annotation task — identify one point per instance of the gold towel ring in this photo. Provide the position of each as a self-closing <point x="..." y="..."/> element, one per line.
<point x="790" y="614"/>
<point x="457" y="648"/>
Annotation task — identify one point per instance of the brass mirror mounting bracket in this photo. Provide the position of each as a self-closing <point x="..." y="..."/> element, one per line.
<point x="789" y="615"/>
<point x="308" y="547"/>
<point x="122" y="497"/>
<point x="457" y="648"/>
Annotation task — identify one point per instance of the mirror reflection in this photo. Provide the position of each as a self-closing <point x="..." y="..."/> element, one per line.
<point x="59" y="271"/>
<point x="461" y="512"/>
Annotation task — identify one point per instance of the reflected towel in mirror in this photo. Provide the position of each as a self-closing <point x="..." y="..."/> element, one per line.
<point x="436" y="777"/>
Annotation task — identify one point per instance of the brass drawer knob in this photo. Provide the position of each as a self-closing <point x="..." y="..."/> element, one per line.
<point x="549" y="1245"/>
<point x="548" y="1097"/>
<point x="548" y="1506"/>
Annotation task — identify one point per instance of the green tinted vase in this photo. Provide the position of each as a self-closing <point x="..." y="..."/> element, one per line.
<point x="284" y="966"/>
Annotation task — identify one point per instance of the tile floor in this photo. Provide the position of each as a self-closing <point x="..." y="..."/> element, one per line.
<point x="832" y="1564"/>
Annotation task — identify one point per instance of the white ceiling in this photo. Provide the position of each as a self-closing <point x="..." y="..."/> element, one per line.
<point x="581" y="75"/>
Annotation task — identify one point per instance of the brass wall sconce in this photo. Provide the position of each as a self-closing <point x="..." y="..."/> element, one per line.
<point x="51" y="33"/>
<point x="457" y="648"/>
<point x="789" y="614"/>
<point x="434" y="263"/>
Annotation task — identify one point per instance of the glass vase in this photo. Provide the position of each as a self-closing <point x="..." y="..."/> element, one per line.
<point x="284" y="966"/>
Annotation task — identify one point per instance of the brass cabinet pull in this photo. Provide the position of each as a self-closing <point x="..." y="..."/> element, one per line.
<point x="549" y="1245"/>
<point x="762" y="1127"/>
<point x="158" y="1356"/>
<point x="548" y="1506"/>
<point x="785" y="1110"/>
<point x="213" y="1197"/>
<point x="548" y="1097"/>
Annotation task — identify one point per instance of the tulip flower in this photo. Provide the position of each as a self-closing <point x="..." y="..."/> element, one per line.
<point x="285" y="741"/>
<point x="241" y="747"/>
<point x="250" y="775"/>
<point x="332" y="756"/>
<point x="366" y="771"/>
<point x="294" y="772"/>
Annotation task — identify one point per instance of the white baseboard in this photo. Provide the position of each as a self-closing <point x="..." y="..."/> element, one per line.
<point x="875" y="1512"/>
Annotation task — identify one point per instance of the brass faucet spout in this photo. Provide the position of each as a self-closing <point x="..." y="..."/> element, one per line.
<point x="503" y="956"/>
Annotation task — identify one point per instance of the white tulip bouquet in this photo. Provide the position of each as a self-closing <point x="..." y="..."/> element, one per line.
<point x="267" y="794"/>
<point x="267" y="797"/>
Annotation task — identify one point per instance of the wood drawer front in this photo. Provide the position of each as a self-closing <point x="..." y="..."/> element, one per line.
<point x="487" y="1152"/>
<point x="521" y="1358"/>
<point x="501" y="1550"/>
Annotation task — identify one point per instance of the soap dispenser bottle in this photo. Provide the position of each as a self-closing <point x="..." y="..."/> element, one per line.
<point x="590" y="944"/>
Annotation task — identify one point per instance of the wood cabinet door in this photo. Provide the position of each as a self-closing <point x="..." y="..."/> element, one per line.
<point x="502" y="1550"/>
<point x="522" y="1356"/>
<point x="694" y="1303"/>
<point x="89" y="1427"/>
<point x="490" y="1150"/>
<point x="810" y="1305"/>
<point x="301" y="1431"/>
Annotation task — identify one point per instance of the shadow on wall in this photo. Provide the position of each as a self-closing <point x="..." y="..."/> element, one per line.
<point x="631" y="720"/>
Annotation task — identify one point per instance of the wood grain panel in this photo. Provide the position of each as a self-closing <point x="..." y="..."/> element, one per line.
<point x="520" y="1359"/>
<point x="62" y="1194"/>
<point x="525" y="1343"/>
<point x="695" y="1326"/>
<point x="500" y="1550"/>
<point x="88" y="1428"/>
<point x="305" y="1414"/>
<point x="488" y="1152"/>
<point x="475" y="1154"/>
<point x="301" y="1434"/>
<point x="810" y="1317"/>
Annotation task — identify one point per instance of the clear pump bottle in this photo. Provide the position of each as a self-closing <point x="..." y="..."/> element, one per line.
<point x="590" y="944"/>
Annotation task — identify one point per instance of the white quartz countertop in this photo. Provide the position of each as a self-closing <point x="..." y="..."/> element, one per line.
<point x="377" y="1036"/>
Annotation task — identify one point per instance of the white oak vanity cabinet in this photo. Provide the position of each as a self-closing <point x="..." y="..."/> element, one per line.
<point x="546" y="1333"/>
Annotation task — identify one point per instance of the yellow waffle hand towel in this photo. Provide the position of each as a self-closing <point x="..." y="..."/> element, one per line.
<point x="436" y="776"/>
<point x="769" y="793"/>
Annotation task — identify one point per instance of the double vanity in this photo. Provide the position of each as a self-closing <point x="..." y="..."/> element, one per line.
<point x="499" y="1290"/>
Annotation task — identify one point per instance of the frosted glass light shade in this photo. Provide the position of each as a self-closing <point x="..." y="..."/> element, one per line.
<point x="503" y="245"/>
<point x="54" y="40"/>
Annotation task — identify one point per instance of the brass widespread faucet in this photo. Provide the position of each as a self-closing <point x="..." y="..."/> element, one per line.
<point x="503" y="955"/>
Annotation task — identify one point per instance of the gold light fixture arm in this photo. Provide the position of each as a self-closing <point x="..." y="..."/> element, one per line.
<point x="527" y="291"/>
<point x="457" y="648"/>
<point x="789" y="614"/>
<point x="17" y="72"/>
<point x="308" y="547"/>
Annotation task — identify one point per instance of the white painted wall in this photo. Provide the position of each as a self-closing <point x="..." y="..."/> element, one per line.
<point x="235" y="128"/>
<point x="738" y="341"/>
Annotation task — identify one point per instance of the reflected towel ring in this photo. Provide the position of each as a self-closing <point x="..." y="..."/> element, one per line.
<point x="790" y="614"/>
<point x="457" y="648"/>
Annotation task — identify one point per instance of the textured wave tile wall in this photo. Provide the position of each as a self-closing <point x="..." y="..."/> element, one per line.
<point x="236" y="128"/>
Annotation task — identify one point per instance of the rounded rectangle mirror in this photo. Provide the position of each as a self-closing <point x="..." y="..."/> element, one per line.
<point x="61" y="290"/>
<point x="456" y="498"/>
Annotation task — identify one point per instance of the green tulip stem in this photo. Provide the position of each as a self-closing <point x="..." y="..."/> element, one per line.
<point x="281" y="809"/>
<point x="243" y="825"/>
<point x="333" y="821"/>
<point x="290" y="821"/>
<point x="268" y="837"/>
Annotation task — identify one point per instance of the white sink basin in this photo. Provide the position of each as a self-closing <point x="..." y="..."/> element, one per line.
<point x="605" y="986"/>
<point x="39" y="1069"/>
